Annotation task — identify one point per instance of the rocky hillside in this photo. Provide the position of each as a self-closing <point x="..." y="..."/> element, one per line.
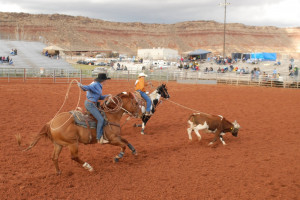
<point x="82" y="33"/>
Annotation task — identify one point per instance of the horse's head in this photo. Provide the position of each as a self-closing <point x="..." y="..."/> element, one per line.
<point x="163" y="91"/>
<point x="130" y="104"/>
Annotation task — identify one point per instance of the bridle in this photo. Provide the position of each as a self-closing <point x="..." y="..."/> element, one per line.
<point x="136" y="106"/>
<point x="164" y="91"/>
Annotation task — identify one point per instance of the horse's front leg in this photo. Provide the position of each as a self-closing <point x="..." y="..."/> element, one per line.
<point x="145" y="120"/>
<point x="74" y="156"/>
<point x="118" y="142"/>
<point x="133" y="150"/>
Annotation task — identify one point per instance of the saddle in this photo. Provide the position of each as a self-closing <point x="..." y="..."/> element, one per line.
<point x="141" y="100"/>
<point x="86" y="120"/>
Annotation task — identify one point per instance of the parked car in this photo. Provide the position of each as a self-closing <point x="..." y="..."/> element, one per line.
<point x="83" y="62"/>
<point x="101" y="64"/>
<point x="98" y="70"/>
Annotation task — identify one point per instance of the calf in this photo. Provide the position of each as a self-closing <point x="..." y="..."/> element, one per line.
<point x="211" y="124"/>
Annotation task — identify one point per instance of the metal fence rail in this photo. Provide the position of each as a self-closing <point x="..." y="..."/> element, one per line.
<point x="192" y="77"/>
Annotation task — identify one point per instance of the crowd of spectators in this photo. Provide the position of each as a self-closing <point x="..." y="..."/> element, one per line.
<point x="293" y="70"/>
<point x="121" y="67"/>
<point x="7" y="59"/>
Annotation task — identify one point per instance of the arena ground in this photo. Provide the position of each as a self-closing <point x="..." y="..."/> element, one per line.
<point x="263" y="162"/>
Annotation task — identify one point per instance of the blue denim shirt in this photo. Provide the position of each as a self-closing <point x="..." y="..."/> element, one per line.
<point x="94" y="91"/>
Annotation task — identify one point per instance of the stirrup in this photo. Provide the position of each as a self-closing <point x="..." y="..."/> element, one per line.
<point x="148" y="114"/>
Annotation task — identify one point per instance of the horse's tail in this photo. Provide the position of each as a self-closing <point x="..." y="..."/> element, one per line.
<point x="44" y="132"/>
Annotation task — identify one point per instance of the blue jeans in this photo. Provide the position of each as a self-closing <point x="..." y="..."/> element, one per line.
<point x="147" y="98"/>
<point x="91" y="107"/>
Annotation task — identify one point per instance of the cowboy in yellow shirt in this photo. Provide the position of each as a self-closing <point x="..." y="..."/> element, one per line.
<point x="140" y="87"/>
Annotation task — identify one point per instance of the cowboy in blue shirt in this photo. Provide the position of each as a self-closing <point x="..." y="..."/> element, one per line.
<point x="94" y="93"/>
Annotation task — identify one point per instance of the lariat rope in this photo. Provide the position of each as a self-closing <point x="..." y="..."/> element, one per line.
<point x="183" y="106"/>
<point x="66" y="97"/>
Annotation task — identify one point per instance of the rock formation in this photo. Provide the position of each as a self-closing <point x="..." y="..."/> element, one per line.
<point x="82" y="33"/>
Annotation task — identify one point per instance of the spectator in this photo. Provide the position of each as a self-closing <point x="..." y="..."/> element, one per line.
<point x="257" y="73"/>
<point x="242" y="71"/>
<point x="253" y="71"/>
<point x="247" y="71"/>
<point x="296" y="71"/>
<point x="274" y="73"/>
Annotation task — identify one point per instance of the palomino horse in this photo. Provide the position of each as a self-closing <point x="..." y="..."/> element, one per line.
<point x="63" y="131"/>
<point x="161" y="91"/>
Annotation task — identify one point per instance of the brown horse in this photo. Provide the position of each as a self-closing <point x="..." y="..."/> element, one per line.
<point x="63" y="132"/>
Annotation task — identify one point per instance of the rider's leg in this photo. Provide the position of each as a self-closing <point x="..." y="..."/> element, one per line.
<point x="91" y="107"/>
<point x="148" y="100"/>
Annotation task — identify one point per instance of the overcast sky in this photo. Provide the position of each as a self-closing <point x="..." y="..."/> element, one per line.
<point x="280" y="13"/>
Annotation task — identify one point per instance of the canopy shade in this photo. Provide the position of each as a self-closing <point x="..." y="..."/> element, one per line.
<point x="52" y="50"/>
<point x="264" y="56"/>
<point x="198" y="52"/>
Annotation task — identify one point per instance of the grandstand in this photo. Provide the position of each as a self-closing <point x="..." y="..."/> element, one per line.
<point x="29" y="56"/>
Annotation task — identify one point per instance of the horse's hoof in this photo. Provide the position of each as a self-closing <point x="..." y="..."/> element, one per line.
<point x="91" y="170"/>
<point x="58" y="173"/>
<point x="116" y="160"/>
<point x="134" y="153"/>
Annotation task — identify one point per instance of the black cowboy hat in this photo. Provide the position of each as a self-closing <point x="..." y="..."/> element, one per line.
<point x="101" y="77"/>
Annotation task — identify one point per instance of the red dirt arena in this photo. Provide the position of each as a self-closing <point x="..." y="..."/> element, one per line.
<point x="263" y="162"/>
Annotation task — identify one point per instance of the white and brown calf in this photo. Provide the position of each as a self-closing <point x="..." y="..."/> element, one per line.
<point x="215" y="124"/>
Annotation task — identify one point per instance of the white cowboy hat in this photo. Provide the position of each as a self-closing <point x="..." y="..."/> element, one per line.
<point x="142" y="74"/>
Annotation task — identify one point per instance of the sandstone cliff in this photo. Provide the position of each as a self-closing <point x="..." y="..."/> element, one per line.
<point x="92" y="34"/>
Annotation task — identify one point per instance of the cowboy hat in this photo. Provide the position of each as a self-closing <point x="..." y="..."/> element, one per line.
<point x="101" y="77"/>
<point x="142" y="74"/>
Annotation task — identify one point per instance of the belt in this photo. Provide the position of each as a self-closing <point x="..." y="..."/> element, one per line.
<point x="90" y="101"/>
